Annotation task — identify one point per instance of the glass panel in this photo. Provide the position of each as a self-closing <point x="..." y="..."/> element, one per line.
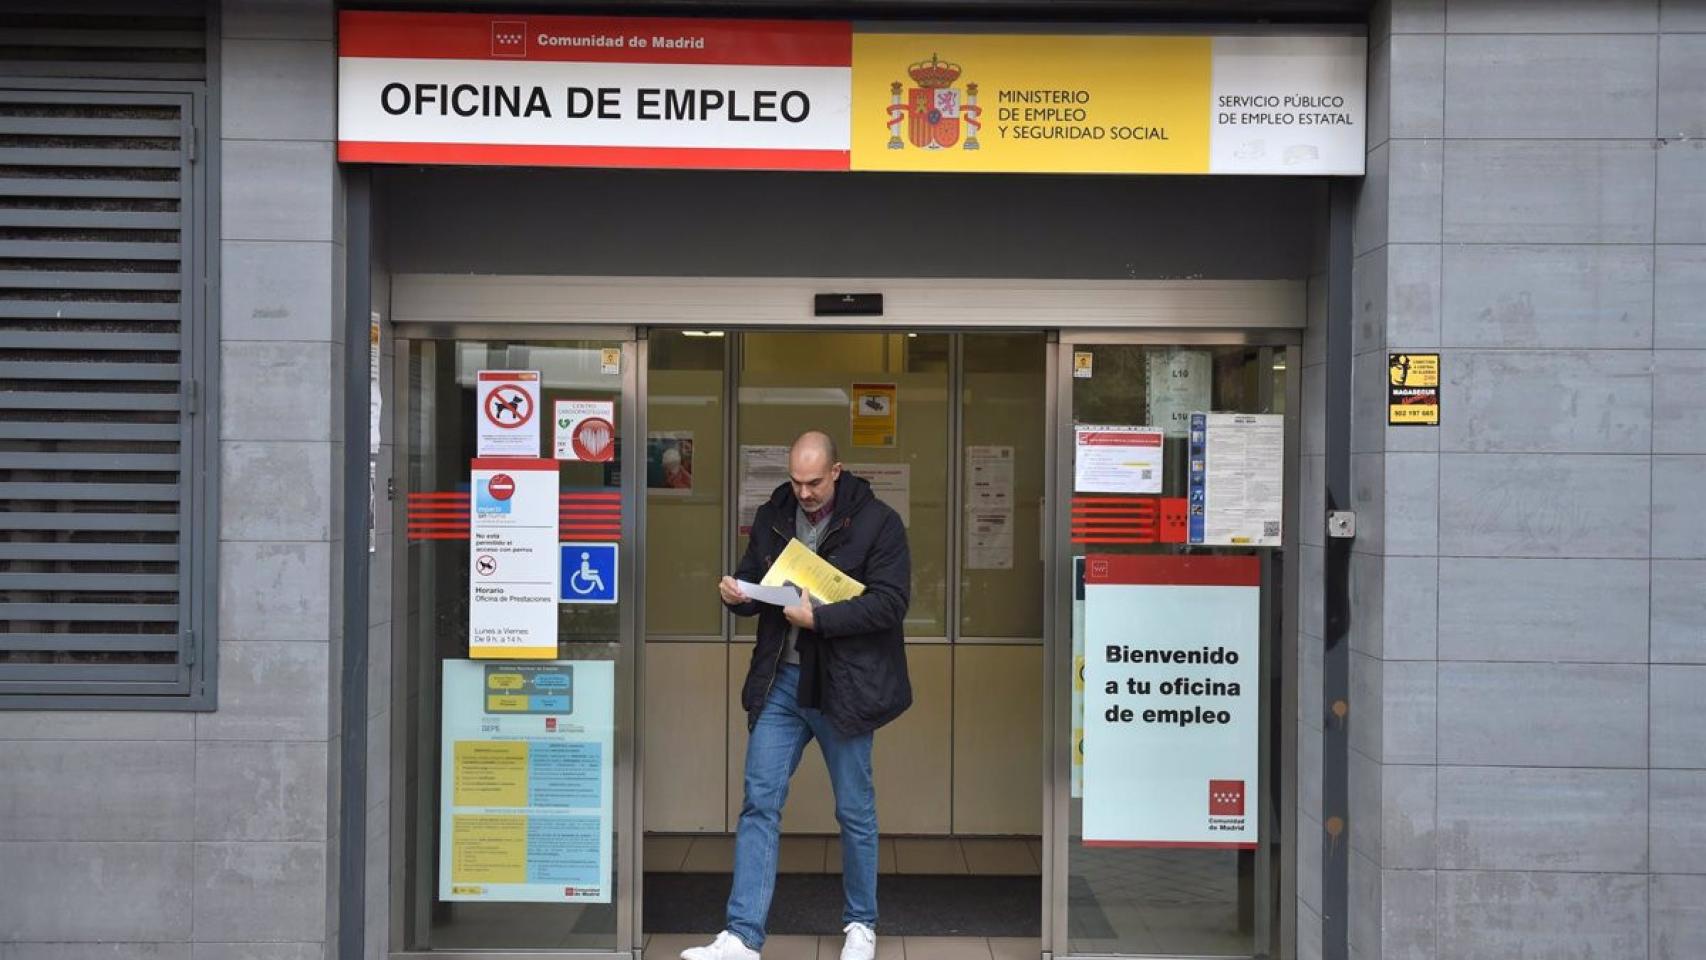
<point x="793" y="382"/>
<point x="1003" y="435"/>
<point x="441" y="442"/>
<point x="1173" y="901"/>
<point x="685" y="459"/>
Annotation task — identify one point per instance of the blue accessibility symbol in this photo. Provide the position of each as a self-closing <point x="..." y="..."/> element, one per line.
<point x="589" y="573"/>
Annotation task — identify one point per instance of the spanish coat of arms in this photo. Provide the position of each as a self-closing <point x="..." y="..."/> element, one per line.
<point x="933" y="110"/>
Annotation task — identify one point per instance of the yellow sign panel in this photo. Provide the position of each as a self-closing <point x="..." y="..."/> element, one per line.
<point x="875" y="414"/>
<point x="1021" y="104"/>
<point x="488" y="848"/>
<point x="1413" y="393"/>
<point x="490" y="773"/>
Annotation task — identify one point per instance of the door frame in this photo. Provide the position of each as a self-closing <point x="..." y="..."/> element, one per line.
<point x="1058" y="667"/>
<point x="625" y="850"/>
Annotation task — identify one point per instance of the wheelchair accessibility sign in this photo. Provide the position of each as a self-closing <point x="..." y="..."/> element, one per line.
<point x="589" y="573"/>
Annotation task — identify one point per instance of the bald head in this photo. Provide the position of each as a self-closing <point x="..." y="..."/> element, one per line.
<point x="813" y="468"/>
<point x="814" y="442"/>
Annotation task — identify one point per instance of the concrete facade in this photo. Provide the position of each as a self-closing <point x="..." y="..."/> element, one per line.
<point x="1526" y="740"/>
<point x="1528" y="767"/>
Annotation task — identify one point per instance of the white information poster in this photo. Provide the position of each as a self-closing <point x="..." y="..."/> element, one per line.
<point x="527" y="785"/>
<point x="891" y="482"/>
<point x="989" y="508"/>
<point x="375" y="404"/>
<point x="1237" y="479"/>
<point x="1116" y="459"/>
<point x="763" y="468"/>
<point x="989" y="478"/>
<point x="1172" y="703"/>
<point x="513" y="562"/>
<point x="1178" y="385"/>
<point x="586" y="430"/>
<point x="506" y="421"/>
<point x="989" y="539"/>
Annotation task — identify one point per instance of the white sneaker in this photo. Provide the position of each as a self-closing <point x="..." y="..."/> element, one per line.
<point x="861" y="943"/>
<point x="727" y="946"/>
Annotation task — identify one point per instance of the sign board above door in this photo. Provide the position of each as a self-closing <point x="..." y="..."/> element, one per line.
<point x="525" y="90"/>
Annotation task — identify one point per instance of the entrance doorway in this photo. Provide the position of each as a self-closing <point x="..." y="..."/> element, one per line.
<point x="958" y="776"/>
<point x="972" y="444"/>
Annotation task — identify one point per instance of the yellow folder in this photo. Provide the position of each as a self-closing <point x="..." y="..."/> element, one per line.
<point x="803" y="568"/>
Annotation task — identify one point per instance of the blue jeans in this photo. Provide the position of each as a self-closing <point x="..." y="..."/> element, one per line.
<point x="772" y="754"/>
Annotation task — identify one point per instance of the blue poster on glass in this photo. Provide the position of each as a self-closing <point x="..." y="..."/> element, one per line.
<point x="527" y="781"/>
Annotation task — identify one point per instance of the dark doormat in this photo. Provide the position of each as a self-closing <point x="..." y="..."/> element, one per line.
<point x="810" y="904"/>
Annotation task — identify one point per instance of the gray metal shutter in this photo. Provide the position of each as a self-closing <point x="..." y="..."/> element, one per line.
<point x="102" y="453"/>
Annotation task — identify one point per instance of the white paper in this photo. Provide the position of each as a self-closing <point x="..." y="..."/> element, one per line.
<point x="372" y="507"/>
<point x="989" y="478"/>
<point x="989" y="540"/>
<point x="778" y="596"/>
<point x="374" y="402"/>
<point x="762" y="469"/>
<point x="1243" y="486"/>
<point x="1116" y="459"/>
<point x="513" y="564"/>
<point x="506" y="413"/>
<point x="1178" y="385"/>
<point x="891" y="483"/>
<point x="585" y="430"/>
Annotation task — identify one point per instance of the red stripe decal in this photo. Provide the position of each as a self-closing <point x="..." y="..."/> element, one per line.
<point x="551" y="155"/>
<point x="468" y="36"/>
<point x="1125" y="569"/>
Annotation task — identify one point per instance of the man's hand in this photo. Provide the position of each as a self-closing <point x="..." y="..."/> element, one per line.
<point x="731" y="591"/>
<point x="800" y="614"/>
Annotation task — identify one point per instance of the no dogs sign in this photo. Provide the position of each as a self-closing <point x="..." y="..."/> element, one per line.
<point x="507" y="421"/>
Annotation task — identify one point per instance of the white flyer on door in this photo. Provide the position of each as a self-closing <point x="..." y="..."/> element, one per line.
<point x="1178" y="385"/>
<point x="891" y="483"/>
<point x="989" y="540"/>
<point x="513" y="565"/>
<point x="506" y="423"/>
<point x="763" y="467"/>
<point x="586" y="430"/>
<point x="1237" y="479"/>
<point x="989" y="478"/>
<point x="1116" y="459"/>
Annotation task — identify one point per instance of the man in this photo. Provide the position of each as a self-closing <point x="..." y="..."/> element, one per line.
<point x="832" y="672"/>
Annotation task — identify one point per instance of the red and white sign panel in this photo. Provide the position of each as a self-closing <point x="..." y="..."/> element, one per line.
<point x="507" y="422"/>
<point x="593" y="91"/>
<point x="1117" y="459"/>
<point x="1172" y="701"/>
<point x="586" y="430"/>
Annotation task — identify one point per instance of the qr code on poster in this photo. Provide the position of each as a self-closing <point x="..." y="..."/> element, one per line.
<point x="1270" y="528"/>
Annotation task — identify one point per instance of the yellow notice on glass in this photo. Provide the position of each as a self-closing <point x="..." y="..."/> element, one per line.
<point x="875" y="413"/>
<point x="803" y="568"/>
<point x="491" y="773"/>
<point x="489" y="848"/>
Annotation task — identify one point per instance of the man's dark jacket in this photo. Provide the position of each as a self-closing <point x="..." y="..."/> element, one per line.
<point x="857" y="655"/>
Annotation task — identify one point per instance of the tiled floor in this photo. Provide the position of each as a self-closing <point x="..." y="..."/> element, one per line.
<point x="981" y="856"/>
<point x="668" y="946"/>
